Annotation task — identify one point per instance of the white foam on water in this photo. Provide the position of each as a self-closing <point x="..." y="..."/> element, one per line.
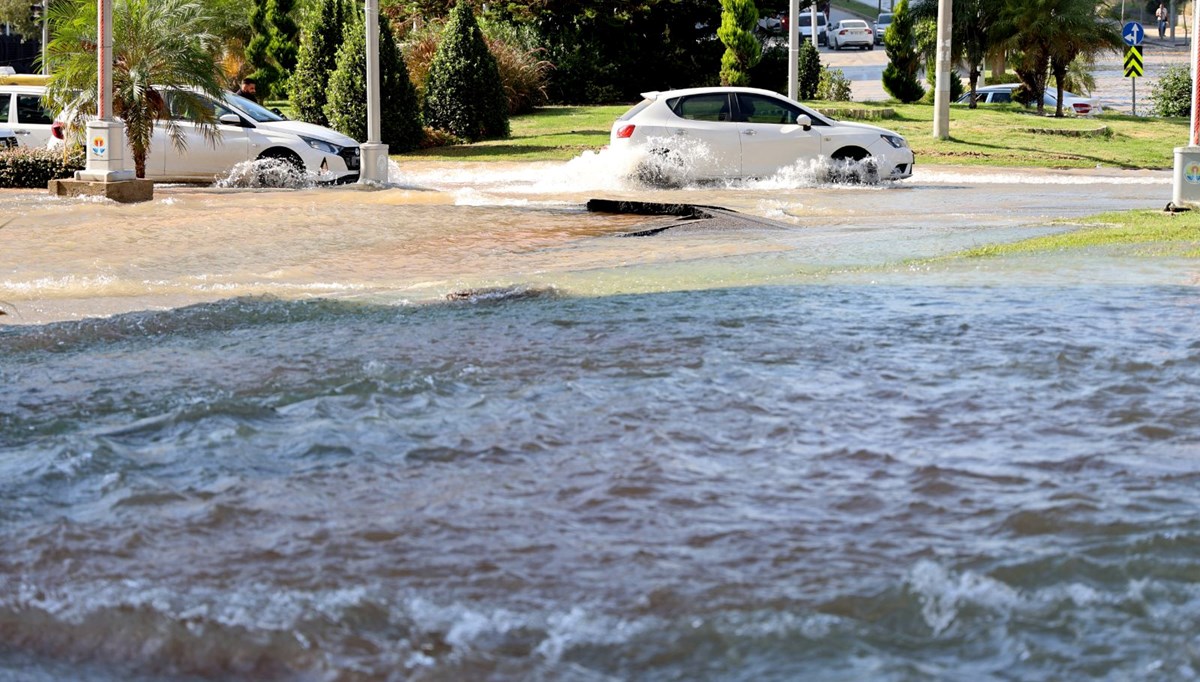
<point x="943" y="595"/>
<point x="935" y="175"/>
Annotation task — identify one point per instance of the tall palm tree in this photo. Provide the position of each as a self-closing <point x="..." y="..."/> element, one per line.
<point x="158" y="45"/>
<point x="1050" y="34"/>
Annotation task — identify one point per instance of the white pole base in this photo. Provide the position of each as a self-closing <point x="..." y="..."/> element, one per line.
<point x="105" y="144"/>
<point x="374" y="166"/>
<point x="1186" y="190"/>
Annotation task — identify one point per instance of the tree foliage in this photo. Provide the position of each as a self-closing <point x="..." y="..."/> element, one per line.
<point x="308" y="89"/>
<point x="904" y="62"/>
<point x="742" y="50"/>
<point x="285" y="35"/>
<point x="808" y="78"/>
<point x="346" y="110"/>
<point x="464" y="94"/>
<point x="257" y="50"/>
<point x="158" y="46"/>
<point x="1049" y="35"/>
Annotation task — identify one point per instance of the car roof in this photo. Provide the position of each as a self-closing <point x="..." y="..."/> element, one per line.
<point x="710" y="89"/>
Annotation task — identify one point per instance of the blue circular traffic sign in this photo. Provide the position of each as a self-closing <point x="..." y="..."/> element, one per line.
<point x="1133" y="33"/>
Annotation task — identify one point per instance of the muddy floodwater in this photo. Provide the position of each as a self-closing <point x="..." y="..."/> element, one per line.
<point x="462" y="429"/>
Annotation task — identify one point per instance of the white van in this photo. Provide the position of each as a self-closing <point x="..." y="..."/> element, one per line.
<point x="22" y="109"/>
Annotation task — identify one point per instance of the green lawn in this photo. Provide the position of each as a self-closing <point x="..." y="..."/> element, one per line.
<point x="999" y="136"/>
<point x="1153" y="233"/>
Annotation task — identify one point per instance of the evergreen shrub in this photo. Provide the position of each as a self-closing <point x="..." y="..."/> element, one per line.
<point x="463" y="94"/>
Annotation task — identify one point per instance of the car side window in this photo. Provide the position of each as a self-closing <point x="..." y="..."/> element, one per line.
<point x="5" y="98"/>
<point x="183" y="108"/>
<point x="1001" y="96"/>
<point x="30" y="110"/>
<point x="762" y="109"/>
<point x="707" y="107"/>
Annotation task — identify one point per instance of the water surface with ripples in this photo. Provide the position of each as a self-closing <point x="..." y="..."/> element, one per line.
<point x="773" y="455"/>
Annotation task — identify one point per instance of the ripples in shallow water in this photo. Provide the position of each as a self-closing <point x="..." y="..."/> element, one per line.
<point x="860" y="482"/>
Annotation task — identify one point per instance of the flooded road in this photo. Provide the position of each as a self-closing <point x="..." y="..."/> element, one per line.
<point x="791" y="452"/>
<point x="443" y="228"/>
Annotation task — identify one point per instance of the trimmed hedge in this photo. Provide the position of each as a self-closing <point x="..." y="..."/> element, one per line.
<point x="34" y="168"/>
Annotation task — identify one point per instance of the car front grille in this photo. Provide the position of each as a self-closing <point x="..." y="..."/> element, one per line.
<point x="351" y="156"/>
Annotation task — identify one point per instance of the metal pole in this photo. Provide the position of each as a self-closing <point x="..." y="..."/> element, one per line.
<point x="1195" y="136"/>
<point x="1172" y="18"/>
<point x="941" y="91"/>
<point x="373" y="168"/>
<point x="104" y="61"/>
<point x="45" y="35"/>
<point x="813" y="16"/>
<point x="793" y="48"/>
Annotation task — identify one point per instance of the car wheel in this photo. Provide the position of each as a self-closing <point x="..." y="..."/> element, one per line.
<point x="853" y="165"/>
<point x="662" y="168"/>
<point x="280" y="168"/>
<point x="871" y="46"/>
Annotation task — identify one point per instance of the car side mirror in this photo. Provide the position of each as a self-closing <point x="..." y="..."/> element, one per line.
<point x="804" y="121"/>
<point x="230" y="120"/>
<point x="277" y="112"/>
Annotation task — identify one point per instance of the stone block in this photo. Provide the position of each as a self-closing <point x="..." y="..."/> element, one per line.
<point x="123" y="191"/>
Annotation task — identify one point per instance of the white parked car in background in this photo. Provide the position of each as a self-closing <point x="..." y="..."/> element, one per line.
<point x="22" y="109"/>
<point x="246" y="132"/>
<point x="851" y="33"/>
<point x="805" y="22"/>
<point x="1005" y="94"/>
<point x="747" y="133"/>
<point x="881" y="23"/>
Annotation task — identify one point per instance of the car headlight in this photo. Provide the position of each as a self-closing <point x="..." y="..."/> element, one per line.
<point x="322" y="145"/>
<point x="895" y="140"/>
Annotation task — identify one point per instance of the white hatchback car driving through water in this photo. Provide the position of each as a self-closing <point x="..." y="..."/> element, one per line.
<point x="731" y="133"/>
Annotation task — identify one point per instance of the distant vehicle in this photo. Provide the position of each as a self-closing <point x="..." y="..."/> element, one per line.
<point x="851" y="33"/>
<point x="749" y="133"/>
<point x="805" y="30"/>
<point x="772" y="24"/>
<point x="881" y="23"/>
<point x="23" y="110"/>
<point x="1003" y="94"/>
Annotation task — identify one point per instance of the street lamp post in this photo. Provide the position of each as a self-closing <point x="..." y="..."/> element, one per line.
<point x="105" y="137"/>
<point x="941" y="91"/>
<point x="793" y="48"/>
<point x="373" y="168"/>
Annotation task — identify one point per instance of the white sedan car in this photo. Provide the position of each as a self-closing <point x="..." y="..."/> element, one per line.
<point x="747" y="133"/>
<point x="851" y="33"/>
<point x="245" y="132"/>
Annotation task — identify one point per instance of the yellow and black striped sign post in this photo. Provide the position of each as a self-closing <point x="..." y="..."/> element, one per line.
<point x="1134" y="69"/>
<point x="1133" y="62"/>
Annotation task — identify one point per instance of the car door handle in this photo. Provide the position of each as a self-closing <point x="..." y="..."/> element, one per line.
<point x="23" y="132"/>
<point x="680" y="132"/>
<point x="749" y="132"/>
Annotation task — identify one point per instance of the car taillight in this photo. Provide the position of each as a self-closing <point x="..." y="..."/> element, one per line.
<point x="1082" y="107"/>
<point x="842" y="32"/>
<point x="56" y="129"/>
<point x="625" y="132"/>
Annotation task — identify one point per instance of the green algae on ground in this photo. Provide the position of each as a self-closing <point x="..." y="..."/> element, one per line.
<point x="1154" y="232"/>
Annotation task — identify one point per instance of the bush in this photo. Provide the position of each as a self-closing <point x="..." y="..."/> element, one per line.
<point x="900" y="75"/>
<point x="309" y="85"/>
<point x="834" y="86"/>
<point x="34" y="168"/>
<point x="464" y="94"/>
<point x="399" y="114"/>
<point x="808" y="80"/>
<point x="1172" y="94"/>
<point x="523" y="72"/>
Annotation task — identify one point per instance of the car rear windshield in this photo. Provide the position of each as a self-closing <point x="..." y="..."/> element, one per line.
<point x="636" y="109"/>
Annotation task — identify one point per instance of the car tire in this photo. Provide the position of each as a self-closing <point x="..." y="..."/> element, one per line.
<point x="289" y="174"/>
<point x="871" y="46"/>
<point x="852" y="165"/>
